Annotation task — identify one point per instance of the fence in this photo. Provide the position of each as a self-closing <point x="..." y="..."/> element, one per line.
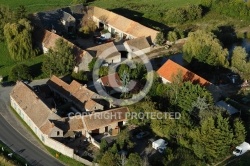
<point x="84" y="161"/>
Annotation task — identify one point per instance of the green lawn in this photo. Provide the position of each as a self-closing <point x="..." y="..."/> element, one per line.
<point x="6" y="63"/>
<point x="36" y="5"/>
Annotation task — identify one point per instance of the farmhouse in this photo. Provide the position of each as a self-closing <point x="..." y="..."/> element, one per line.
<point x="38" y="117"/>
<point x="108" y="52"/>
<point x="50" y="128"/>
<point x="83" y="98"/>
<point x="124" y="27"/>
<point x="170" y="69"/>
<point x="137" y="46"/>
<point x="107" y="121"/>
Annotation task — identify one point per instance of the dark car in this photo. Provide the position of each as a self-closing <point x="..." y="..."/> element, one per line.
<point x="9" y="83"/>
<point x="142" y="135"/>
<point x="26" y="81"/>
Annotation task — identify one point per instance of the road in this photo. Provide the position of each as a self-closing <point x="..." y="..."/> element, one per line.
<point x="25" y="144"/>
<point x="26" y="149"/>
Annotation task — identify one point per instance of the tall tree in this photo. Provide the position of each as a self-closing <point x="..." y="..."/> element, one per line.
<point x="240" y="63"/>
<point x="239" y="132"/>
<point x="59" y="60"/>
<point x="6" y="16"/>
<point x="239" y="58"/>
<point x="19" y="40"/>
<point x="189" y="93"/>
<point x="110" y="159"/>
<point x="134" y="159"/>
<point x="20" y="72"/>
<point x="204" y="47"/>
<point x="21" y="13"/>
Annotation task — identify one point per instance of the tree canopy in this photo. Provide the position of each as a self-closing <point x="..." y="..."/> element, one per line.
<point x="6" y="16"/>
<point x="20" y="72"/>
<point x="19" y="40"/>
<point x="205" y="47"/>
<point x="60" y="60"/>
<point x="240" y="63"/>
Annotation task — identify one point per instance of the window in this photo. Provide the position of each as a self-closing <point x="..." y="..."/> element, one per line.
<point x="42" y="138"/>
<point x="58" y="133"/>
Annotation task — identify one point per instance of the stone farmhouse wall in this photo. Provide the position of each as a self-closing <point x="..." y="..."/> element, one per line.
<point x="63" y="149"/>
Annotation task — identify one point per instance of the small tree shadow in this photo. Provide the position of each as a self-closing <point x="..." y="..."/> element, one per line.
<point x="36" y="70"/>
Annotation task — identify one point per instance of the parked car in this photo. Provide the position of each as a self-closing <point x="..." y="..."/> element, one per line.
<point x="36" y="88"/>
<point x="142" y="134"/>
<point x="9" y="83"/>
<point x="159" y="145"/>
<point x="26" y="81"/>
<point x="241" y="149"/>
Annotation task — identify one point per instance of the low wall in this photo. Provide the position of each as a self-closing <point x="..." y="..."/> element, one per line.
<point x="59" y="147"/>
<point x="92" y="140"/>
<point x="84" y="161"/>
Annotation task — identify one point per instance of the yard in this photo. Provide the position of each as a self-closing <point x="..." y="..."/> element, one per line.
<point x="6" y="63"/>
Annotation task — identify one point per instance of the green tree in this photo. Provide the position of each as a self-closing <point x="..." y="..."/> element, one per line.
<point x="19" y="40"/>
<point x="103" y="71"/>
<point x="103" y="146"/>
<point x="204" y="47"/>
<point x="123" y="68"/>
<point x="21" y="13"/>
<point x="80" y="76"/>
<point x="109" y="159"/>
<point x="239" y="132"/>
<point x="138" y="72"/>
<point x="123" y="139"/>
<point x="134" y="160"/>
<point x="172" y="36"/>
<point x="160" y="38"/>
<point x="59" y="60"/>
<point x="20" y="72"/>
<point x="189" y="93"/>
<point x="239" y="58"/>
<point x="213" y="139"/>
<point x="6" y="16"/>
<point x="92" y="64"/>
<point x="239" y="62"/>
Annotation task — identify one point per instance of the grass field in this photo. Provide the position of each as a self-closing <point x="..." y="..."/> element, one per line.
<point x="6" y="63"/>
<point x="36" y="5"/>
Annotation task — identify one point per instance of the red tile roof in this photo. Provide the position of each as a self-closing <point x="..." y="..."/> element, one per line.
<point x="170" y="69"/>
<point x="112" y="80"/>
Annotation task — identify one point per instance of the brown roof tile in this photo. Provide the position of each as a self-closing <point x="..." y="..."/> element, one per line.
<point x="34" y="107"/>
<point x="76" y="123"/>
<point x="49" y="41"/>
<point x="47" y="127"/>
<point x="104" y="118"/>
<point x="77" y="92"/>
<point x="138" y="43"/>
<point x="98" y="50"/>
<point x="170" y="69"/>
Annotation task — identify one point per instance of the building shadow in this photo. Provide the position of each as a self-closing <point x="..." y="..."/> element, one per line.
<point x="138" y="17"/>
